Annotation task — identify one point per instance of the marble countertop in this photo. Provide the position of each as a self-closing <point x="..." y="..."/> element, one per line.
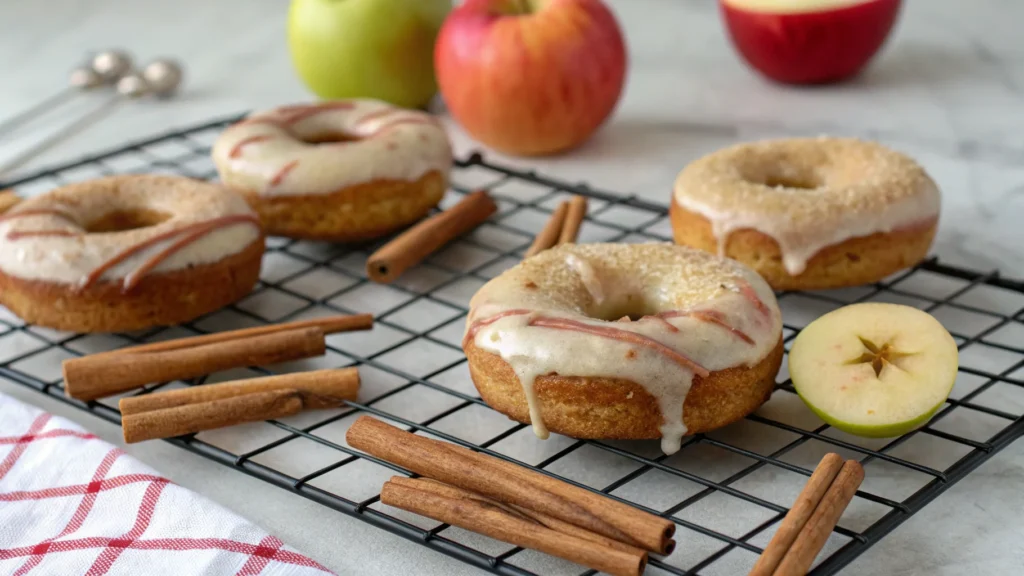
<point x="948" y="89"/>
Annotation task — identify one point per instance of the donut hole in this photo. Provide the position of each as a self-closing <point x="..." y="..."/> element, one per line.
<point x="122" y="220"/>
<point x="617" y="316"/>
<point x="785" y="175"/>
<point x="632" y="306"/>
<point x="778" y="181"/>
<point x="333" y="137"/>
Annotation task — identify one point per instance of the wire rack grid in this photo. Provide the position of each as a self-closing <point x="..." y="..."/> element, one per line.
<point x="726" y="490"/>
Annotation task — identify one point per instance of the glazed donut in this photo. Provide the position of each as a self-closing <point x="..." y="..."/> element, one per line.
<point x="127" y="252"/>
<point x="808" y="213"/>
<point x="624" y="341"/>
<point x="345" y="170"/>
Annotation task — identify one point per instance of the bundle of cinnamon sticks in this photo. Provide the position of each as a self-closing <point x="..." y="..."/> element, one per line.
<point x="511" y="503"/>
<point x="810" y="521"/>
<point x="188" y="410"/>
<point x="210" y="406"/>
<point x="562" y="227"/>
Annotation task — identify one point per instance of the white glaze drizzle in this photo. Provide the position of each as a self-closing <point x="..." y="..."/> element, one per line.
<point x="56" y="248"/>
<point x="588" y="276"/>
<point x="642" y="280"/>
<point x="268" y="153"/>
<point x="865" y="189"/>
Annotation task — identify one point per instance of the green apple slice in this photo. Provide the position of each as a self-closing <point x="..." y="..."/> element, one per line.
<point x="873" y="369"/>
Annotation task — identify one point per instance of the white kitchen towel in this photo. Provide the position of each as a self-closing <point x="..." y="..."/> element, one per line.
<point x="73" y="504"/>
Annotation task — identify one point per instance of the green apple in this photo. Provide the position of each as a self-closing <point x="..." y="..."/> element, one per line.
<point x="874" y="369"/>
<point x="382" y="49"/>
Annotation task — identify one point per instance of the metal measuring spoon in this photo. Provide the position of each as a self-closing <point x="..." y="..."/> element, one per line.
<point x="160" y="78"/>
<point x="105" y="69"/>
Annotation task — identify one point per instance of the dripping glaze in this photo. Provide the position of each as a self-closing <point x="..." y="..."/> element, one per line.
<point x="672" y="331"/>
<point x="807" y="193"/>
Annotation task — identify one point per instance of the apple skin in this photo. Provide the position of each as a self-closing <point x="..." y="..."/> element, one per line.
<point x="531" y="84"/>
<point x="887" y="431"/>
<point x="379" y="49"/>
<point x="812" y="47"/>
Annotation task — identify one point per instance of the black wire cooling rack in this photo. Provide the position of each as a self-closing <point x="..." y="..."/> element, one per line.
<point x="726" y="490"/>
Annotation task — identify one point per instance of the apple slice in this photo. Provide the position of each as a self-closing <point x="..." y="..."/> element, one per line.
<point x="876" y="370"/>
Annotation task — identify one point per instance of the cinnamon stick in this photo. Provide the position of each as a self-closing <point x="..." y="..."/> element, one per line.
<point x="512" y="484"/>
<point x="7" y="200"/>
<point x="418" y="242"/>
<point x="99" y="375"/>
<point x="548" y="237"/>
<point x="798" y="515"/>
<point x="496" y="522"/>
<point x="573" y="220"/>
<point x="442" y="489"/>
<point x="811" y="539"/>
<point x="327" y="324"/>
<point x="192" y="418"/>
<point x="318" y="388"/>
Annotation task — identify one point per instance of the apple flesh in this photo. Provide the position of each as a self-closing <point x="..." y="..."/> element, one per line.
<point x="873" y="369"/>
<point x="380" y="49"/>
<point x="531" y="77"/>
<point x="809" y="41"/>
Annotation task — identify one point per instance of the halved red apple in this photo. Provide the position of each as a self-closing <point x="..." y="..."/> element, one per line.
<point x="809" y="41"/>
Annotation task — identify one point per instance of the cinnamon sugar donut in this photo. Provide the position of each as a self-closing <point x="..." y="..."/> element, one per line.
<point x="344" y="170"/>
<point x="809" y="213"/>
<point x="126" y="253"/>
<point x="625" y="341"/>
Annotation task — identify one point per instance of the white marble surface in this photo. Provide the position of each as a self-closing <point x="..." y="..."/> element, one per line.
<point x="948" y="89"/>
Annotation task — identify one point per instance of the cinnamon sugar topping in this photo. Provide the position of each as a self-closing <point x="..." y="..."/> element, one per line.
<point x="807" y="193"/>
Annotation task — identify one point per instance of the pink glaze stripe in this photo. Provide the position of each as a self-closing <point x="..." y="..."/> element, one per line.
<point x="622" y="336"/>
<point x="206" y="227"/>
<point x="375" y="115"/>
<point x="132" y="280"/>
<point x="298" y="113"/>
<point x="661" y="318"/>
<point x="476" y="326"/>
<point x="712" y="317"/>
<point x="236" y="151"/>
<point x="383" y="130"/>
<point x="401" y="117"/>
<point x="279" y="177"/>
<point x="748" y="292"/>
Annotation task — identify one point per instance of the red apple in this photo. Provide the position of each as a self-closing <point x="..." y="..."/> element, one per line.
<point x="809" y="41"/>
<point x="530" y="76"/>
